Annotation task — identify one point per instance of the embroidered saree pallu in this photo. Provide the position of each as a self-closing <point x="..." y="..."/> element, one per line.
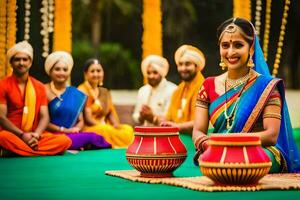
<point x="235" y="159"/>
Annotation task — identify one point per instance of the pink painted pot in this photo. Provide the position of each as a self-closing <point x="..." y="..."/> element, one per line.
<point x="156" y="151"/>
<point x="234" y="159"/>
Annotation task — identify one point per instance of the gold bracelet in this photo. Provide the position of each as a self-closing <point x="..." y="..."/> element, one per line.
<point x="200" y="140"/>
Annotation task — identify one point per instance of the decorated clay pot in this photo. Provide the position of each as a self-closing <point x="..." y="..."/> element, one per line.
<point x="234" y="159"/>
<point x="156" y="151"/>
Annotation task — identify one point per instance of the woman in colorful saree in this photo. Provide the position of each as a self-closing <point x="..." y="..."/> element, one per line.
<point x="100" y="114"/>
<point x="66" y="103"/>
<point x="246" y="99"/>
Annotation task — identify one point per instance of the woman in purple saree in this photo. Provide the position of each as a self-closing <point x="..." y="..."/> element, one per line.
<point x="66" y="104"/>
<point x="246" y="99"/>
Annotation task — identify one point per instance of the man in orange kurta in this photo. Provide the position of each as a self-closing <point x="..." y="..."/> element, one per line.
<point x="181" y="113"/>
<point x="23" y="110"/>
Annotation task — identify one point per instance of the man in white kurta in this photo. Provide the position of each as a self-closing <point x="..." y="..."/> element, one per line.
<point x="153" y="98"/>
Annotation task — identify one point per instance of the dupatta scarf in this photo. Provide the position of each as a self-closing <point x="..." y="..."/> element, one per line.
<point x="64" y="110"/>
<point x="250" y="105"/>
<point x="29" y="106"/>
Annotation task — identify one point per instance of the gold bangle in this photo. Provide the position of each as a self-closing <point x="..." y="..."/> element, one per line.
<point x="200" y="140"/>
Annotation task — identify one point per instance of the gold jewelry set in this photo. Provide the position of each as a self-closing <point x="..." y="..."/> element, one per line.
<point x="232" y="28"/>
<point x="231" y="83"/>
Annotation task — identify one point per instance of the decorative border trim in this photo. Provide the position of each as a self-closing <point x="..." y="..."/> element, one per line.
<point x="234" y="165"/>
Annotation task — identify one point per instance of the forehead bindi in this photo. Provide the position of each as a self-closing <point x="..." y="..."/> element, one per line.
<point x="232" y="37"/>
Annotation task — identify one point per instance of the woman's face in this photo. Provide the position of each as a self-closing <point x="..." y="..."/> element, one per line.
<point x="95" y="74"/>
<point x="234" y="50"/>
<point x="59" y="73"/>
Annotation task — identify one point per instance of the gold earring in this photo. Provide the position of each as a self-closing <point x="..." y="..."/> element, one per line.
<point x="250" y="63"/>
<point x="222" y="64"/>
<point x="100" y="84"/>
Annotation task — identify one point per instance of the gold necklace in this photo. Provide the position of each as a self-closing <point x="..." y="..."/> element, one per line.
<point x="230" y="117"/>
<point x="233" y="83"/>
<point x="94" y="92"/>
<point x="55" y="91"/>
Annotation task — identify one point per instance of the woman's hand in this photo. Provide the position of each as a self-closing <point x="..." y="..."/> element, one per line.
<point x="169" y="124"/>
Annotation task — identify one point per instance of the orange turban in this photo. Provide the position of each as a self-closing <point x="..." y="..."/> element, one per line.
<point x="157" y="62"/>
<point x="191" y="53"/>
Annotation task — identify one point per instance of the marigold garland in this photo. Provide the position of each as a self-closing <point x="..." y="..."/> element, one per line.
<point x="152" y="34"/>
<point x="281" y="37"/>
<point x="267" y="28"/>
<point x="2" y="38"/>
<point x="62" y="25"/>
<point x="8" y="30"/>
<point x="11" y="28"/>
<point x="242" y="8"/>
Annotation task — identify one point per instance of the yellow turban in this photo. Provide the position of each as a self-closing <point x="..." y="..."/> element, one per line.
<point x="191" y="53"/>
<point x="157" y="62"/>
<point x="20" y="47"/>
<point x="57" y="56"/>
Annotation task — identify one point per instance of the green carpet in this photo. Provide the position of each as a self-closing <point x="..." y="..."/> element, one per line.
<point x="81" y="176"/>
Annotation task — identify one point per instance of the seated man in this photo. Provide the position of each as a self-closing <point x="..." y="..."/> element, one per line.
<point x="153" y="98"/>
<point x="23" y="110"/>
<point x="181" y="113"/>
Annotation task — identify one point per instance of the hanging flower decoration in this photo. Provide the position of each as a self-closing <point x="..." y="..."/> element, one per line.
<point x="242" y="8"/>
<point x="267" y="28"/>
<point x="44" y="31"/>
<point x="11" y="28"/>
<point x="62" y="25"/>
<point x="27" y="20"/>
<point x="152" y="34"/>
<point x="258" y="16"/>
<point x="2" y="38"/>
<point x="281" y="37"/>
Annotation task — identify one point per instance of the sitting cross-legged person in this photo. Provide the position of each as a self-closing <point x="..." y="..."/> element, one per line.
<point x="100" y="114"/>
<point x="66" y="104"/>
<point x="23" y="110"/>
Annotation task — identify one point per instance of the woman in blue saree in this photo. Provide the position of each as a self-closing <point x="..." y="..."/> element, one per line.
<point x="246" y="99"/>
<point x="66" y="104"/>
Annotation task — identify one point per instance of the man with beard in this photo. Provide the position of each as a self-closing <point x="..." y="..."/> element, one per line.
<point x="153" y="98"/>
<point x="190" y="61"/>
<point x="24" y="112"/>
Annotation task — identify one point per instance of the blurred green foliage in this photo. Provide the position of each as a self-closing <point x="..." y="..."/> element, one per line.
<point x="121" y="70"/>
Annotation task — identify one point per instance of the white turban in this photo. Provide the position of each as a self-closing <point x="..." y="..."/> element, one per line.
<point x="57" y="56"/>
<point x="20" y="47"/>
<point x="159" y="63"/>
<point x="191" y="53"/>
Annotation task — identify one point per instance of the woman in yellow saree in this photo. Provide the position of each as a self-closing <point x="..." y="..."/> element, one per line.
<point x="99" y="113"/>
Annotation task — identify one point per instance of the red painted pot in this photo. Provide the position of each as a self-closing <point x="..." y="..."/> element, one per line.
<point x="234" y="159"/>
<point x="156" y="151"/>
